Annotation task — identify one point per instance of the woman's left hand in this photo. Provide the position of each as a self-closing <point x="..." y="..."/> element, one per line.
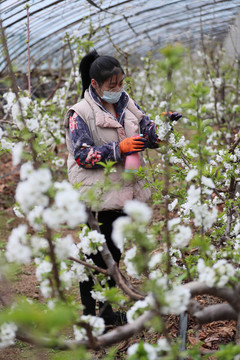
<point x="175" y="116"/>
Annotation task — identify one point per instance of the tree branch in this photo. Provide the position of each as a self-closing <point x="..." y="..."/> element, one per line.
<point x="212" y="313"/>
<point x="112" y="268"/>
<point x="225" y="293"/>
<point x="112" y="337"/>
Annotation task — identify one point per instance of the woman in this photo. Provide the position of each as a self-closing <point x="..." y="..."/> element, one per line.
<point x="105" y="126"/>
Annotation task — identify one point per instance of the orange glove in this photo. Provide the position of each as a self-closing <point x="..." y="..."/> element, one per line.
<point x="175" y="116"/>
<point x="132" y="144"/>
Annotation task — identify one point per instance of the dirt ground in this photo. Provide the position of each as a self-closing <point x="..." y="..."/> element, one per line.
<point x="211" y="335"/>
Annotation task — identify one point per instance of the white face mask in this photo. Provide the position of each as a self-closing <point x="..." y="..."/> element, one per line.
<point x="111" y="97"/>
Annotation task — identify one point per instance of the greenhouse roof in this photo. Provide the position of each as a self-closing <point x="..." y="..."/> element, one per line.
<point x="136" y="26"/>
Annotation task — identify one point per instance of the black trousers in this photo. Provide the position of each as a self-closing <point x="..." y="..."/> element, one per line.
<point x="105" y="218"/>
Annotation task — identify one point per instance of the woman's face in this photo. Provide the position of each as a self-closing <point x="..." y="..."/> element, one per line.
<point x="114" y="83"/>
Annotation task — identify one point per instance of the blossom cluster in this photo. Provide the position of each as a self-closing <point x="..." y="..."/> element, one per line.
<point x="139" y="214"/>
<point x="151" y="352"/>
<point x="32" y="115"/>
<point x="34" y="197"/>
<point x="130" y="266"/>
<point x="204" y="214"/>
<point x="163" y="128"/>
<point x="217" y="275"/>
<point x="34" y="200"/>
<point x="7" y="334"/>
<point x="174" y="300"/>
<point x="91" y="241"/>
<point x="97" y="324"/>
<point x="63" y="248"/>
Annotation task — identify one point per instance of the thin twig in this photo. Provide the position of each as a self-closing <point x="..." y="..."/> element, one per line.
<point x="90" y="266"/>
<point x="59" y="76"/>
<point x="71" y="55"/>
<point x="233" y="147"/>
<point x="54" y="263"/>
<point x="185" y="160"/>
<point x="208" y="72"/>
<point x="166" y="193"/>
<point x="28" y="42"/>
<point x="15" y="90"/>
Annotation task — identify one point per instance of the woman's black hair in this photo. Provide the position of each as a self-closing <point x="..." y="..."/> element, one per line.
<point x="100" y="68"/>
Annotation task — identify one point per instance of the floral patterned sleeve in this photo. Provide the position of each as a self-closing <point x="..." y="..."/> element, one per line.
<point x="85" y="153"/>
<point x="148" y="129"/>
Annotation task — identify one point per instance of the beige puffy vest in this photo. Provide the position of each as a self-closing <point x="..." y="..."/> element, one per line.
<point x="103" y="130"/>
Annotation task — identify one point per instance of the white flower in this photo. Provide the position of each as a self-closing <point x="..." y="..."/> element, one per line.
<point x="206" y="274"/>
<point x="26" y="170"/>
<point x="17" y="153"/>
<point x="27" y="196"/>
<point x="17" y="249"/>
<point x="17" y="212"/>
<point x="163" y="345"/>
<point x="177" y="144"/>
<point x="45" y="288"/>
<point x="6" y="144"/>
<point x="98" y="296"/>
<point x="38" y="244"/>
<point x="182" y="237"/>
<point x="224" y="271"/>
<point x="207" y="182"/>
<point x="16" y="112"/>
<point x="140" y="305"/>
<point x="236" y="229"/>
<point x="7" y="334"/>
<point x="10" y="97"/>
<point x="34" y="218"/>
<point x="32" y="124"/>
<point x="217" y="82"/>
<point x="172" y="205"/>
<point x="155" y="260"/>
<point x="65" y="276"/>
<point x="193" y="195"/>
<point x="138" y="210"/>
<point x="44" y="267"/>
<point x="91" y="242"/>
<point x="130" y="266"/>
<point x="79" y="272"/>
<point x="160" y="279"/>
<point x="150" y="351"/>
<point x="163" y="128"/>
<point x="63" y="247"/>
<point x="203" y="216"/>
<point x="220" y="273"/>
<point x="30" y="193"/>
<point x="175" y="160"/>
<point x="173" y="222"/>
<point x="177" y="300"/>
<point x="66" y="208"/>
<point x="58" y="162"/>
<point x="191" y="174"/>
<point x="51" y="304"/>
<point x="163" y="104"/>
<point x="118" y="233"/>
<point x="97" y="324"/>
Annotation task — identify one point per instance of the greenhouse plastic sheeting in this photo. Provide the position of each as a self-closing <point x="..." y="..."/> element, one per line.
<point x="136" y="26"/>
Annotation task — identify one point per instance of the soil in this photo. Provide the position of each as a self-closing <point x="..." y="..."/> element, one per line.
<point x="210" y="335"/>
